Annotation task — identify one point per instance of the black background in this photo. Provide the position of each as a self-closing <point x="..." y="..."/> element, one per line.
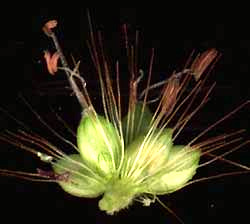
<point x="174" y="35"/>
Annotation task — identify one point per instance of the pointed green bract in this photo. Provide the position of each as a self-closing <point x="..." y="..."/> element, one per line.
<point x="78" y="180"/>
<point x="149" y="153"/>
<point x="180" y="168"/>
<point x="99" y="144"/>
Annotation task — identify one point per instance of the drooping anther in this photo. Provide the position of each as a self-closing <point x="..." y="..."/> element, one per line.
<point x="52" y="61"/>
<point x="47" y="28"/>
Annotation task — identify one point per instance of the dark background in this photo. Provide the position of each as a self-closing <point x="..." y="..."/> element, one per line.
<point x="174" y="35"/>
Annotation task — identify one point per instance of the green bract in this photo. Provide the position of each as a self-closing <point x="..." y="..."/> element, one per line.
<point x="78" y="180"/>
<point x="180" y="168"/>
<point x="99" y="144"/>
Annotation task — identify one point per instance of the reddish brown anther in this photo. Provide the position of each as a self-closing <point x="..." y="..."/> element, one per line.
<point x="170" y="93"/>
<point x="202" y="62"/>
<point x="51" y="61"/>
<point x="47" y="28"/>
<point x="54" y="176"/>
